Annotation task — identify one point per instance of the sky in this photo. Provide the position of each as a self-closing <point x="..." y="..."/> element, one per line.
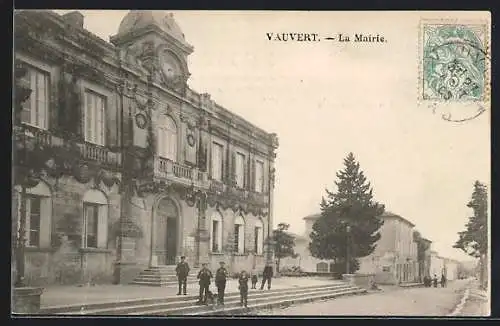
<point x="326" y="99"/>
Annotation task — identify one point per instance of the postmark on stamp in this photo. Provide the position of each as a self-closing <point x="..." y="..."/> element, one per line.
<point x="454" y="63"/>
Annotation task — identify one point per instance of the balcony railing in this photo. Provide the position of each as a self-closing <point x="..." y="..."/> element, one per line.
<point x="165" y="168"/>
<point x="94" y="152"/>
<point x="88" y="151"/>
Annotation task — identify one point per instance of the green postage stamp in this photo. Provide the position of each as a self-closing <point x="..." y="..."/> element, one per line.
<point x="455" y="61"/>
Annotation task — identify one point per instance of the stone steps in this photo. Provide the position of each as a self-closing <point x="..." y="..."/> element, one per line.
<point x="186" y="305"/>
<point x="161" y="276"/>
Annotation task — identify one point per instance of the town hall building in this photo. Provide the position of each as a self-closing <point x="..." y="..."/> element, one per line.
<point x="124" y="167"/>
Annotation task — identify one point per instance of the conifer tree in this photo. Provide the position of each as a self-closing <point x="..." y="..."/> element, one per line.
<point x="349" y="221"/>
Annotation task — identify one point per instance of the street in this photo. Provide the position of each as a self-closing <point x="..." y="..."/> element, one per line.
<point x="393" y="301"/>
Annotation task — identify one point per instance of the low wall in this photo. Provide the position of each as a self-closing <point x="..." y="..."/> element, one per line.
<point x="364" y="281"/>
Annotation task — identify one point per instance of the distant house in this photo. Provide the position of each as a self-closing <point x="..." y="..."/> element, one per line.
<point x="437" y="264"/>
<point x="395" y="257"/>
<point x="394" y="260"/>
<point x="451" y="269"/>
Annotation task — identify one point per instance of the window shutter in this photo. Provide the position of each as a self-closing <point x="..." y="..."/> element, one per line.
<point x="241" y="239"/>
<point x="45" y="221"/>
<point x="253" y="175"/>
<point x="102" y="227"/>
<point x="245" y="172"/>
<point x="233" y="168"/>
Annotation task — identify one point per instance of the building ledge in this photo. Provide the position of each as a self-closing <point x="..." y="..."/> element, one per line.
<point x="95" y="250"/>
<point x="38" y="249"/>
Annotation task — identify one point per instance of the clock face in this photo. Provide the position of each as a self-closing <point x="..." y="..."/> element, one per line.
<point x="170" y="66"/>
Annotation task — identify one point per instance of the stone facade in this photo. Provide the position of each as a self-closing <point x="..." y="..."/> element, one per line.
<point x="165" y="171"/>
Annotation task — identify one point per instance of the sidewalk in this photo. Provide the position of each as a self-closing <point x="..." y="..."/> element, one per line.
<point x="477" y="303"/>
<point x="74" y="295"/>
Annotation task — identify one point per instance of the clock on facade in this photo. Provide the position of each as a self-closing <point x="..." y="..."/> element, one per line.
<point x="169" y="65"/>
<point x="141" y="120"/>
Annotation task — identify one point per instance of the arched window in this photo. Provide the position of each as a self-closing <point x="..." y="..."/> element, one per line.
<point x="167" y="138"/>
<point x="216" y="233"/>
<point x="259" y="237"/>
<point x="95" y="220"/>
<point x="38" y="215"/>
<point x="239" y="234"/>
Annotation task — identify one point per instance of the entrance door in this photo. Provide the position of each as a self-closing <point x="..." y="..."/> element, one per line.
<point x="165" y="247"/>
<point x="171" y="241"/>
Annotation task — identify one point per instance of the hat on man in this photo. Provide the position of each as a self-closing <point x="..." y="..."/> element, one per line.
<point x="222" y="263"/>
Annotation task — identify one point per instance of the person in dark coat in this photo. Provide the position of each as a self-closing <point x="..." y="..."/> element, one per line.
<point x="435" y="281"/>
<point x="443" y="281"/>
<point x="266" y="277"/>
<point x="243" y="287"/>
<point x="182" y="272"/>
<point x="205" y="276"/>
<point x="220" y="281"/>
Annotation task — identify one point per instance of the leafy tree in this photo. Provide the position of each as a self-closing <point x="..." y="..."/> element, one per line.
<point x="474" y="240"/>
<point x="349" y="223"/>
<point x="284" y="243"/>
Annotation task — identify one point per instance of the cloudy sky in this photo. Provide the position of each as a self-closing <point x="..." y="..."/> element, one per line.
<point x="325" y="99"/>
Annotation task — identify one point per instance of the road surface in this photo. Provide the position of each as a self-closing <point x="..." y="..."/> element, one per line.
<point x="392" y="301"/>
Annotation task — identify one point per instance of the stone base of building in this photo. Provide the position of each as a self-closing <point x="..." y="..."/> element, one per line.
<point x="126" y="272"/>
<point x="365" y="281"/>
<point x="26" y="300"/>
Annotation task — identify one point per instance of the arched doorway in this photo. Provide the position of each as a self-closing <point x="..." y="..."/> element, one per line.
<point x="166" y="229"/>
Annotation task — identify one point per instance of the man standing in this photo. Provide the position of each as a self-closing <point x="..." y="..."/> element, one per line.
<point x="220" y="281"/>
<point x="266" y="276"/>
<point x="182" y="271"/>
<point x="204" y="275"/>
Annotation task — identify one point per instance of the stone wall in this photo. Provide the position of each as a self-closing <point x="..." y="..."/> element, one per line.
<point x="62" y="261"/>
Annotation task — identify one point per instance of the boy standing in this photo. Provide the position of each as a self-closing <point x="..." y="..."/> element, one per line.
<point x="204" y="275"/>
<point x="254" y="280"/>
<point x="220" y="282"/>
<point x="243" y="287"/>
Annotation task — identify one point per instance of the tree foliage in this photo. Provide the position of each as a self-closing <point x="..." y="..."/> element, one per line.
<point x="349" y="220"/>
<point x="284" y="243"/>
<point x="474" y="240"/>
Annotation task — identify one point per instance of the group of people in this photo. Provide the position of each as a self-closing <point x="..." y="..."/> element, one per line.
<point x="221" y="275"/>
<point x="433" y="282"/>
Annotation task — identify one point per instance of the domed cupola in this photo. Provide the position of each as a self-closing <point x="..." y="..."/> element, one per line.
<point x="136" y="20"/>
<point x="154" y="37"/>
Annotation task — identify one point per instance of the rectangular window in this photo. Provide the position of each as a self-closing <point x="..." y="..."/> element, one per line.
<point x="217" y="160"/>
<point x="91" y="216"/>
<point x="259" y="176"/>
<point x="215" y="236"/>
<point x="256" y="241"/>
<point x="236" y="238"/>
<point x="33" y="209"/>
<point x="240" y="170"/>
<point x="386" y="269"/>
<point x="95" y="106"/>
<point x="36" y="109"/>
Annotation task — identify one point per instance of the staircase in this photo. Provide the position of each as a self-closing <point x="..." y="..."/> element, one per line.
<point x="186" y="305"/>
<point x="161" y="276"/>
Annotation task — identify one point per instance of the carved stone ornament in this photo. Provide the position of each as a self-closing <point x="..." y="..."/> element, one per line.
<point x="274" y="140"/>
<point x="141" y="120"/>
<point x="191" y="140"/>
